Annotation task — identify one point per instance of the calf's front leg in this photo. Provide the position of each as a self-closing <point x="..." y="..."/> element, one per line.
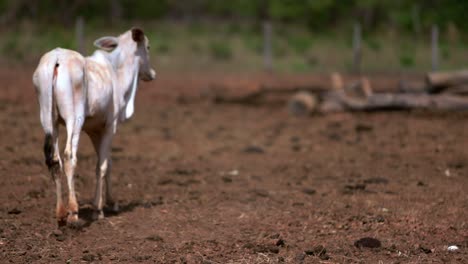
<point x="109" y="197"/>
<point x="102" y="144"/>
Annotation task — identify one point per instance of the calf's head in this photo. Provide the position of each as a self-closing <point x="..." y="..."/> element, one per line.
<point x="130" y="47"/>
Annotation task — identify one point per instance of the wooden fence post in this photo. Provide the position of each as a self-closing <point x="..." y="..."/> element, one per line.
<point x="435" y="47"/>
<point x="79" y="35"/>
<point x="357" y="50"/>
<point x="267" y="46"/>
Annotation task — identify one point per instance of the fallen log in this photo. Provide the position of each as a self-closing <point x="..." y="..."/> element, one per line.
<point x="440" y="81"/>
<point x="337" y="81"/>
<point x="302" y="103"/>
<point x="387" y="101"/>
<point x="359" y="95"/>
<point x="412" y="86"/>
<point x="265" y="90"/>
<point x="254" y="97"/>
<point x="459" y="90"/>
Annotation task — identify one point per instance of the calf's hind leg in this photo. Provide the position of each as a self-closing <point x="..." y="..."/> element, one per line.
<point x="54" y="163"/>
<point x="73" y="134"/>
<point x="70" y="103"/>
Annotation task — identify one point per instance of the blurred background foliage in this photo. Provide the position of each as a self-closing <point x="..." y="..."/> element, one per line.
<point x="308" y="34"/>
<point x="409" y="15"/>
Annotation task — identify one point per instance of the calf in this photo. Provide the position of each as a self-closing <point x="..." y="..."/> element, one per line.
<point x="92" y="94"/>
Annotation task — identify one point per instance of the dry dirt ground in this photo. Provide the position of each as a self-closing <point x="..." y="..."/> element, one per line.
<point x="200" y="182"/>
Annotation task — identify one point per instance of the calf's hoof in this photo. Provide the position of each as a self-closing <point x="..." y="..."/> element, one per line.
<point x="62" y="221"/>
<point x="114" y="207"/>
<point x="98" y="215"/>
<point x="73" y="221"/>
<point x="72" y="218"/>
<point x="61" y="214"/>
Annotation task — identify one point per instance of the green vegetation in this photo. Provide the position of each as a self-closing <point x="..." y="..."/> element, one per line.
<point x="300" y="43"/>
<point x="406" y="61"/>
<point x="373" y="44"/>
<point x="182" y="46"/>
<point x="317" y="15"/>
<point x="308" y="35"/>
<point x="220" y="50"/>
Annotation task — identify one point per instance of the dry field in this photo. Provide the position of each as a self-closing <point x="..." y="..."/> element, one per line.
<point x="200" y="182"/>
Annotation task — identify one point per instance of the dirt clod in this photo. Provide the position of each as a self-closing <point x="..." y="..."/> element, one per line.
<point x="226" y="179"/>
<point x="425" y="250"/>
<point x="254" y="150"/>
<point x="59" y="235"/>
<point x="155" y="238"/>
<point x="77" y="225"/>
<point x="363" y="128"/>
<point x="57" y="232"/>
<point x="300" y="257"/>
<point x="367" y="242"/>
<point x="318" y="250"/>
<point x="379" y="219"/>
<point x="262" y="248"/>
<point x="376" y="180"/>
<point x="141" y="258"/>
<point x="88" y="257"/>
<point x="309" y="191"/>
<point x="280" y="242"/>
<point x="36" y="194"/>
<point x="353" y="188"/>
<point x="183" y="171"/>
<point x="15" y="211"/>
<point x="275" y="236"/>
<point x="296" y="147"/>
<point x="260" y="193"/>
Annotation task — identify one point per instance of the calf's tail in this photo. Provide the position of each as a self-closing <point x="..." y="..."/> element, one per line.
<point x="44" y="80"/>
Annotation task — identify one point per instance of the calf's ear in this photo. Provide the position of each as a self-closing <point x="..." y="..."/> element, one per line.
<point x="106" y="43"/>
<point x="137" y="34"/>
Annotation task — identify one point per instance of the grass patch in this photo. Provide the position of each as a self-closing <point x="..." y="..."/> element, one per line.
<point x="254" y="43"/>
<point x="220" y="50"/>
<point x="239" y="47"/>
<point x="300" y="66"/>
<point x="300" y="43"/>
<point x="407" y="61"/>
<point x="373" y="44"/>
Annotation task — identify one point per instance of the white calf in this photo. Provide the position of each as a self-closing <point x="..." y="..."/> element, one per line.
<point x="91" y="94"/>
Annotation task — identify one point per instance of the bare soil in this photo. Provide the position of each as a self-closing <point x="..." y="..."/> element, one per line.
<point x="200" y="182"/>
